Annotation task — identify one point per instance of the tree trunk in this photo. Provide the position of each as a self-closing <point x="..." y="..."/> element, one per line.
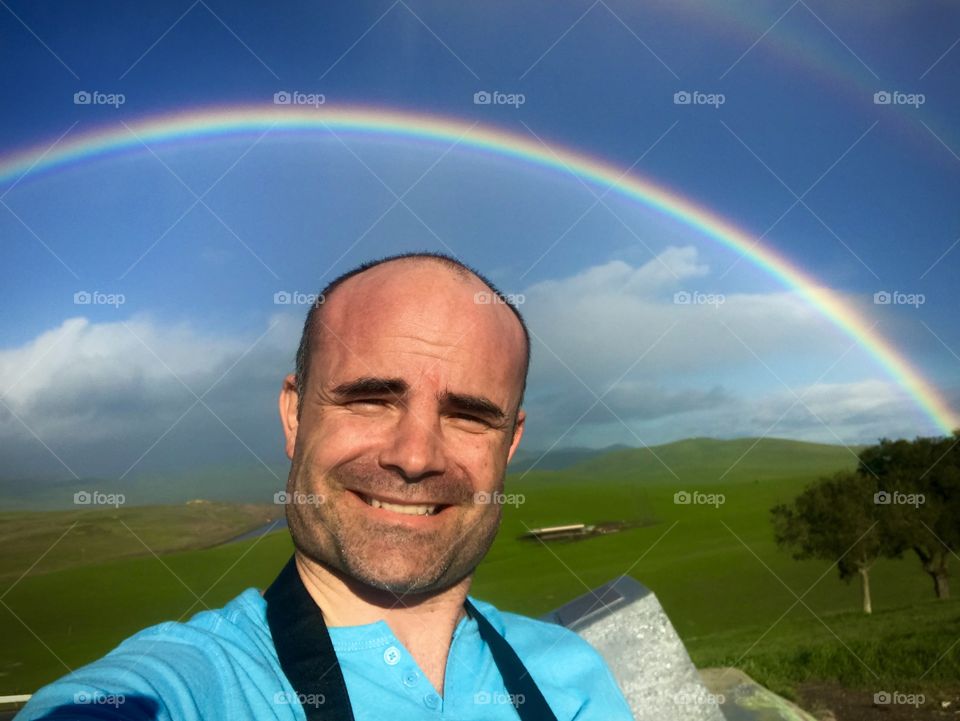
<point x="865" y="589"/>
<point x="941" y="583"/>
<point x="935" y="564"/>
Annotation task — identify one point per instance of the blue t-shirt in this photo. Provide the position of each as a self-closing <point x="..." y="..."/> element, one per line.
<point x="221" y="664"/>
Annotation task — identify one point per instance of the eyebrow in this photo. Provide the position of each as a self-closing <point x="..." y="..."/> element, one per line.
<point x="368" y="385"/>
<point x="473" y="404"/>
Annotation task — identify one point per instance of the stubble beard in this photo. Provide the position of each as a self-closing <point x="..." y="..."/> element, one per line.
<point x="380" y="555"/>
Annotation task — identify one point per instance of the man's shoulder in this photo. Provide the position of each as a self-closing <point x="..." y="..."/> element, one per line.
<point x="238" y="618"/>
<point x="238" y="625"/>
<point x="166" y="666"/>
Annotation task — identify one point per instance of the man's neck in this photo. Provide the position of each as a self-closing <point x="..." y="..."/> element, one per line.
<point x="423" y="623"/>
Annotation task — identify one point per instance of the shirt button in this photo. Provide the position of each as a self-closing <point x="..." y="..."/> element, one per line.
<point x="410" y="679"/>
<point x="391" y="656"/>
<point x="431" y="700"/>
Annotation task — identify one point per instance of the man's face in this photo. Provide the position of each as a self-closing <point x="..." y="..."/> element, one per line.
<point x="406" y="426"/>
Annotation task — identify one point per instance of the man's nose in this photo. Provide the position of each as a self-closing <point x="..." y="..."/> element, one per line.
<point x="415" y="448"/>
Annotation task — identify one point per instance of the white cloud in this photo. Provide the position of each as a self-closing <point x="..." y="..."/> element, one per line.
<point x="600" y="322"/>
<point x="855" y="412"/>
<point x="98" y="395"/>
<point x="720" y="368"/>
<point x="851" y="413"/>
<point x="616" y="278"/>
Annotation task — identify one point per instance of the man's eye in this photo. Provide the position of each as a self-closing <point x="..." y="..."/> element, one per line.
<point x="468" y="417"/>
<point x="369" y="401"/>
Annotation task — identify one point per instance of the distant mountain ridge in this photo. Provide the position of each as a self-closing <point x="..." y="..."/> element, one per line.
<point x="693" y="459"/>
<point x="558" y="458"/>
<point x="228" y="484"/>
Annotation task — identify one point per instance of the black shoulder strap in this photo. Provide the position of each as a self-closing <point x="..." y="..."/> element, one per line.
<point x="305" y="650"/>
<point x="524" y="693"/>
<point x="310" y="663"/>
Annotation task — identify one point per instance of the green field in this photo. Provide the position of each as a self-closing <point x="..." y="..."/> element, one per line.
<point x="716" y="571"/>
<point x="41" y="542"/>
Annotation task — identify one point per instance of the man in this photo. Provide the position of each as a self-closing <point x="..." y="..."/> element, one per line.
<point x="400" y="420"/>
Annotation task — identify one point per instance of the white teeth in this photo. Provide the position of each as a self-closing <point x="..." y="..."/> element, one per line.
<point x="408" y="510"/>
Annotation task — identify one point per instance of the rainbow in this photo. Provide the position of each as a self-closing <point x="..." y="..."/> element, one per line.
<point x="246" y="120"/>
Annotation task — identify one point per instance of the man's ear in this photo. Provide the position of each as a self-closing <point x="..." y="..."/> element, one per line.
<point x="288" y="413"/>
<point x="517" y="433"/>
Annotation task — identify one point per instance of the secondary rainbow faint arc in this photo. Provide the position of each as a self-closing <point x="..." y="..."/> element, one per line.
<point x="204" y="123"/>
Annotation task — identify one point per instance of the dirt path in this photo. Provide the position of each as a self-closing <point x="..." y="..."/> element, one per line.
<point x="829" y="702"/>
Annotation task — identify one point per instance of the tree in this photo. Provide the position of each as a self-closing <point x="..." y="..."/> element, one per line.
<point x="836" y="519"/>
<point x="921" y="483"/>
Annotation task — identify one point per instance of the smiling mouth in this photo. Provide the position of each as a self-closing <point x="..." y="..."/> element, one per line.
<point x="407" y="509"/>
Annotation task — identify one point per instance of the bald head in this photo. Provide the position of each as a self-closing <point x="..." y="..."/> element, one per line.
<point x="446" y="305"/>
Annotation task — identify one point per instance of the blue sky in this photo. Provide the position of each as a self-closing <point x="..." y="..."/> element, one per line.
<point x="97" y="389"/>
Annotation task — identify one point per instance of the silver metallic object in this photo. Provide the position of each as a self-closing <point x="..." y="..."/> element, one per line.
<point x="625" y="622"/>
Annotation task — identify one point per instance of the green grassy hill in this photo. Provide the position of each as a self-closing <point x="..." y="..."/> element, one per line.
<point x="707" y="460"/>
<point x="42" y="542"/>
<point x="715" y="569"/>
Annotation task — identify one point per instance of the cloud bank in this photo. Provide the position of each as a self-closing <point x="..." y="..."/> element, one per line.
<point x="621" y="354"/>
